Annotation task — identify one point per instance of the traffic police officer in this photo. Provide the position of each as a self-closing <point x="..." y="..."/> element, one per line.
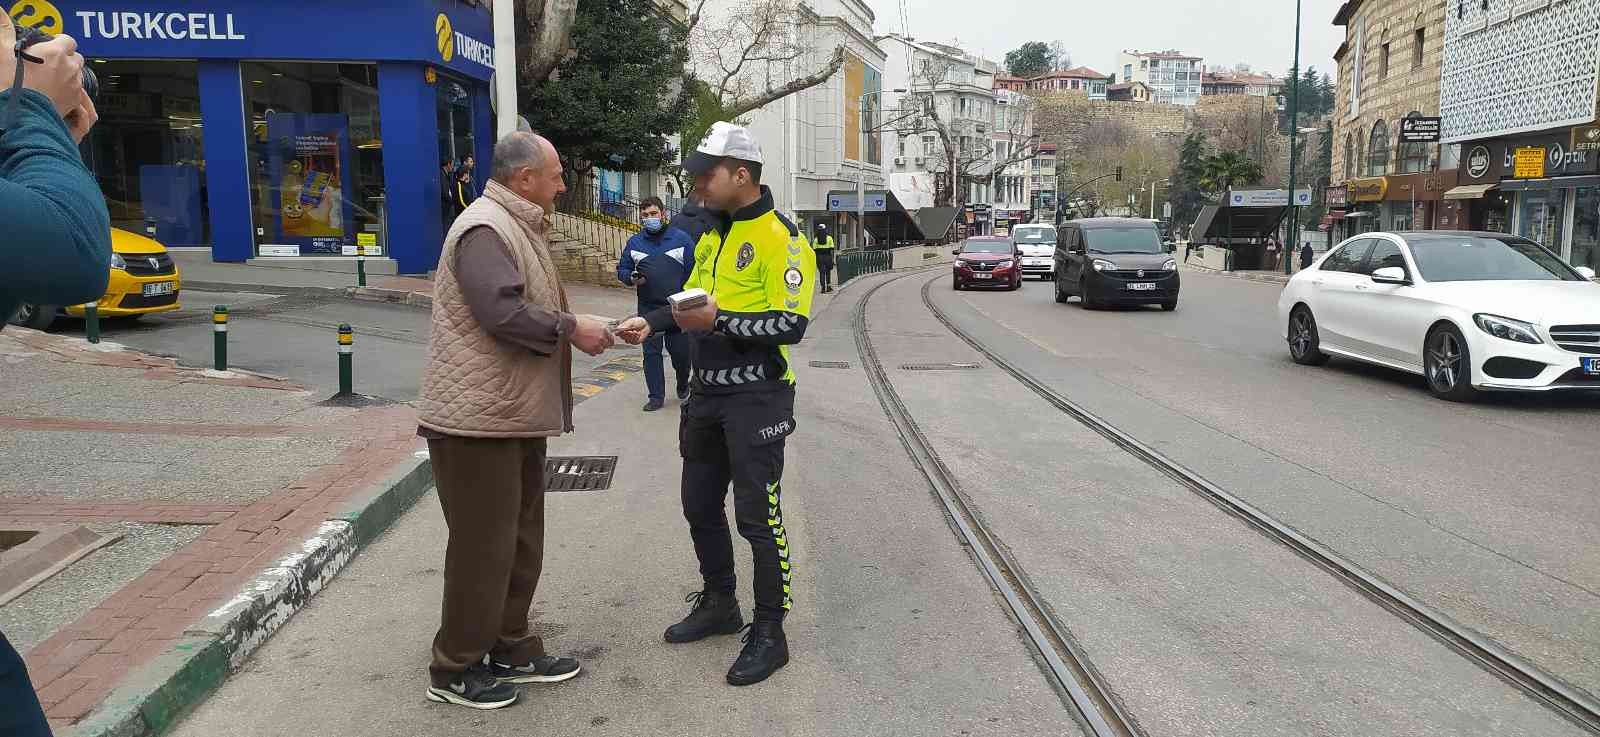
<point x="758" y="268"/>
<point x="823" y="245"/>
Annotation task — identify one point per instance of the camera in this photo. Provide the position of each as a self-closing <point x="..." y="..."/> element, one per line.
<point x="634" y="277"/>
<point x="28" y="36"/>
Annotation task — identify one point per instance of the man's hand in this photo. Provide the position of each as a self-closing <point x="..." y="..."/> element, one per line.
<point x="59" y="77"/>
<point x="700" y="319"/>
<point x="79" y="121"/>
<point x="634" y="330"/>
<point x="591" y="336"/>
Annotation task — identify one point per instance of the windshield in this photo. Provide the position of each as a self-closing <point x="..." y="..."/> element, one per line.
<point x="1033" y="235"/>
<point x="1123" y="240"/>
<point x="1483" y="258"/>
<point x="987" y="246"/>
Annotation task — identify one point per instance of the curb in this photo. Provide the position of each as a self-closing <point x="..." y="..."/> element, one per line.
<point x="217" y="286"/>
<point x="1263" y="278"/>
<point x="157" y="695"/>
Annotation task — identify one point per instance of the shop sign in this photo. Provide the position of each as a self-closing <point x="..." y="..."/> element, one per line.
<point x="1419" y="130"/>
<point x="1528" y="163"/>
<point x="1586" y="139"/>
<point x="1368" y="190"/>
<point x="1478" y="162"/>
<point x="1337" y="196"/>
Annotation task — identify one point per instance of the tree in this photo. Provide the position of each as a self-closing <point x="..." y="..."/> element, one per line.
<point x="1311" y="94"/>
<point x="1327" y="93"/>
<point x="544" y="36"/>
<point x="1186" y="192"/>
<point x="1228" y="169"/>
<point x="967" y="153"/>
<point x="1060" y="58"/>
<point x="1032" y="59"/>
<point x="614" y="104"/>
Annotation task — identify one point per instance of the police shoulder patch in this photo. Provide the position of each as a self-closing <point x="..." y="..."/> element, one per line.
<point x="747" y="256"/>
<point x="794" y="279"/>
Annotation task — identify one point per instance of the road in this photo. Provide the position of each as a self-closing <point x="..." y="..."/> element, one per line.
<point x="1485" y="511"/>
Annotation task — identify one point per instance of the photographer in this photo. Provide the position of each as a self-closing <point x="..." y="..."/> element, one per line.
<point x="58" y="241"/>
<point x="57" y="247"/>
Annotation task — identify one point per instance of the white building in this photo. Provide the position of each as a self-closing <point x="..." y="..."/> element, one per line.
<point x="1012" y="189"/>
<point x="1173" y="77"/>
<point x="813" y="140"/>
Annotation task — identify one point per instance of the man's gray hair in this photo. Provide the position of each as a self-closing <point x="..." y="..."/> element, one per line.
<point x="516" y="150"/>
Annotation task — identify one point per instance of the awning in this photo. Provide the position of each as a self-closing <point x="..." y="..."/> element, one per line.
<point x="1360" y="214"/>
<point x="1515" y="185"/>
<point x="885" y="218"/>
<point x="1470" y="191"/>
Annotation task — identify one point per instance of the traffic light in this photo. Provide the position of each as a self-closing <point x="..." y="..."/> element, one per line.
<point x="1119" y="173"/>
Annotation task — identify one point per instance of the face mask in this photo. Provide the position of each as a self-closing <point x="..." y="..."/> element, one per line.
<point x="652" y="225"/>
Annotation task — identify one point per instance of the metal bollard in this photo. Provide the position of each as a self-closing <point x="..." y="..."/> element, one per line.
<point x="219" y="327"/>
<point x="347" y="339"/>
<point x="361" y="266"/>
<point x="91" y="322"/>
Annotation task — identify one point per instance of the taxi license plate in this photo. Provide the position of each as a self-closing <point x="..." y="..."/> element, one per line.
<point x="1141" y="286"/>
<point x="159" y="289"/>
<point x="1591" y="366"/>
<point x="983" y="276"/>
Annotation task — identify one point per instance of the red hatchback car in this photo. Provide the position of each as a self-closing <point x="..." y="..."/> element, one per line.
<point x="988" y="261"/>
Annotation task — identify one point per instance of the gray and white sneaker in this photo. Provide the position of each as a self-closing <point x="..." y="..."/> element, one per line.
<point x="474" y="688"/>
<point x="544" y="669"/>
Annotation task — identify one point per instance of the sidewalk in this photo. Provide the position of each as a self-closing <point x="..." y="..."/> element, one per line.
<point x="150" y="506"/>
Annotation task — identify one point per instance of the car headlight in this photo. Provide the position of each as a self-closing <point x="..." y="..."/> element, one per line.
<point x="1170" y="265"/>
<point x="1506" y="328"/>
<point x="1004" y="264"/>
<point x="117" y="262"/>
<point x="1101" y="264"/>
<point x="959" y="263"/>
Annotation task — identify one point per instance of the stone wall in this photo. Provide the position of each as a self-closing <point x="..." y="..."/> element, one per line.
<point x="1388" y="98"/>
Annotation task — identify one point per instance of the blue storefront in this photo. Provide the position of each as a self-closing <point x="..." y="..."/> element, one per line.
<point x="295" y="129"/>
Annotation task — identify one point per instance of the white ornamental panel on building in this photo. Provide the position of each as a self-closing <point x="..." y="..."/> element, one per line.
<point x="1513" y="66"/>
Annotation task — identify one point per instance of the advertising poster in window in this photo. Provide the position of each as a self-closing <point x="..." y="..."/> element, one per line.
<point x="309" y="155"/>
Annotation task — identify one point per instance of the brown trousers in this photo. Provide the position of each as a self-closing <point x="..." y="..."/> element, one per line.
<point x="492" y="492"/>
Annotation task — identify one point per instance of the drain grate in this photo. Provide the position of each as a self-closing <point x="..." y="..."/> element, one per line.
<point x="939" y="366"/>
<point x="579" y="473"/>
<point x="830" y="364"/>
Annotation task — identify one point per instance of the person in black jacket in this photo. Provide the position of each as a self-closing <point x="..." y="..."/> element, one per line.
<point x="694" y="220"/>
<point x="656" y="263"/>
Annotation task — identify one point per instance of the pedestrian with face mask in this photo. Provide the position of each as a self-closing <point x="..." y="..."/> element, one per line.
<point x="823" y="245"/>
<point x="656" y="263"/>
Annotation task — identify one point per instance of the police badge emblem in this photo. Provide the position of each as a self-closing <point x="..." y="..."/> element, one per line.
<point x="793" y="279"/>
<point x="747" y="255"/>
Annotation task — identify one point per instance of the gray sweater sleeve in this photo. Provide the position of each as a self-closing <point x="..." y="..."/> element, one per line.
<point x="493" y="290"/>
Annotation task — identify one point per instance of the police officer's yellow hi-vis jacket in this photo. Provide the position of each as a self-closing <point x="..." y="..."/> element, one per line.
<point x="761" y="270"/>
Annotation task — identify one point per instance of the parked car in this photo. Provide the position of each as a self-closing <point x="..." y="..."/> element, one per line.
<point x="987" y="261"/>
<point x="1116" y="261"/>
<point x="144" y="280"/>
<point x="1037" y="242"/>
<point x="1466" y="311"/>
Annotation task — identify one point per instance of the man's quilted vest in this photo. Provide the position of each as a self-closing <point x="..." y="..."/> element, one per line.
<point x="475" y="385"/>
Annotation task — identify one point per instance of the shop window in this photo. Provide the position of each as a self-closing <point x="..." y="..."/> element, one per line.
<point x="316" y="157"/>
<point x="1586" y="229"/>
<point x="147" y="152"/>
<point x="1378" y="149"/>
<point x="1540" y="216"/>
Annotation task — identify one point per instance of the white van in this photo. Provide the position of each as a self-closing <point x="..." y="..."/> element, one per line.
<point x="1037" y="241"/>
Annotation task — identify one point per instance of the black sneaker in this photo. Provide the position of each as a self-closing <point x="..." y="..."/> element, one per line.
<point x="545" y="669"/>
<point x="765" y="651"/>
<point x="474" y="688"/>
<point x="683" y="393"/>
<point x="652" y="405"/>
<point x="713" y="613"/>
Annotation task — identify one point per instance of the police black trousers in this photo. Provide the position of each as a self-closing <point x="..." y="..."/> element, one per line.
<point x="825" y="267"/>
<point x="737" y="440"/>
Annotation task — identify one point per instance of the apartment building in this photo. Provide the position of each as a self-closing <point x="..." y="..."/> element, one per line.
<point x="1173" y="77"/>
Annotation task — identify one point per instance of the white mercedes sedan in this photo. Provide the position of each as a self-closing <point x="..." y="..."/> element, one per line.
<point x="1468" y="312"/>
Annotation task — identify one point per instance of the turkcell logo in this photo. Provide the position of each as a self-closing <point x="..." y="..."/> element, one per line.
<point x="453" y="42"/>
<point x="155" y="26"/>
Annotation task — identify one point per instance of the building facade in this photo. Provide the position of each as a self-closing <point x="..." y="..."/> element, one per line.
<point x="1228" y="82"/>
<point x="1389" y="67"/>
<point x="1173" y="78"/>
<point x="1530" y="151"/>
<point x="242" y="129"/>
<point x="1076" y="81"/>
<point x="1012" y="137"/>
<point x="1130" y="92"/>
<point x="1042" y="176"/>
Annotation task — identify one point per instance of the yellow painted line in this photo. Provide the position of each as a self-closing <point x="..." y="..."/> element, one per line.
<point x="587" y="390"/>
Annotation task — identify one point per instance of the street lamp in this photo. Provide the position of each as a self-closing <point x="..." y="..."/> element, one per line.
<point x="1294" y="130"/>
<point x="1153" y="187"/>
<point x="861" y="168"/>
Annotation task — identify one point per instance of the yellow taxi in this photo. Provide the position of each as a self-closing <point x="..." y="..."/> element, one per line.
<point x="144" y="280"/>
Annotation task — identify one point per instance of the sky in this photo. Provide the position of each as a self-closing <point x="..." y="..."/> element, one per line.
<point x="1225" y="32"/>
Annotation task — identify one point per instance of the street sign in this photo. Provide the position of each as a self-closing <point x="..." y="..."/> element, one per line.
<point x="876" y="202"/>
<point x="1528" y="163"/>
<point x="1166" y="211"/>
<point x="1258" y="198"/>
<point x="1419" y="130"/>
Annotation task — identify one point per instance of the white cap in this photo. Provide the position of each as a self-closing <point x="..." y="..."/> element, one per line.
<point x="724" y="141"/>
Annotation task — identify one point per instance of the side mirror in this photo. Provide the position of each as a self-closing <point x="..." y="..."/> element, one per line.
<point x="1391" y="275"/>
<point x="1586" y="272"/>
<point x="955" y="252"/>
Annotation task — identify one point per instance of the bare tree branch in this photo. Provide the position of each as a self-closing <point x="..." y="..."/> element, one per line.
<point x="741" y="107"/>
<point x="694" y="17"/>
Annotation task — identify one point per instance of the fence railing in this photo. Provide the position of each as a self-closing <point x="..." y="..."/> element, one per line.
<point x="852" y="264"/>
<point x="600" y="217"/>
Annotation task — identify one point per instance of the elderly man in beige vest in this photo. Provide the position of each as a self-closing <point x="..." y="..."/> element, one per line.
<point x="498" y="383"/>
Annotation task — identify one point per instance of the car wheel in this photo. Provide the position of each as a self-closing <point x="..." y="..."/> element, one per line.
<point x="1061" y="297"/>
<point x="1016" y="283"/>
<point x="955" y="284"/>
<point x="1304" y="344"/>
<point x="38" y="317"/>
<point x="1083" y="294"/>
<point x="1169" y="305"/>
<point x="1447" y="365"/>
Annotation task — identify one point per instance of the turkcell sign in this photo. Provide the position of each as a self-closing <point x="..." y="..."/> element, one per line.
<point x="474" y="50"/>
<point x="157" y="26"/>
